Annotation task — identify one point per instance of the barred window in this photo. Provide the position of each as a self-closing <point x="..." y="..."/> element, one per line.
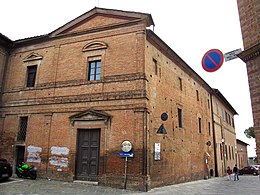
<point x="22" y="128"/>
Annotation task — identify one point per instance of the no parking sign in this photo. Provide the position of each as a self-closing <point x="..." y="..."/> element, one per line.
<point x="212" y="60"/>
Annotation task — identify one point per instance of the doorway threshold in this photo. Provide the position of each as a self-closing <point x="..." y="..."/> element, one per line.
<point x="94" y="183"/>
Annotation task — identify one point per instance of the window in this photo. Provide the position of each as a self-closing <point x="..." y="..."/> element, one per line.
<point x="233" y="123"/>
<point x="180" y="81"/>
<point x="232" y="152"/>
<point x="155" y="65"/>
<point x="221" y="151"/>
<point x="226" y="152"/>
<point x="209" y="128"/>
<point x="208" y="104"/>
<point x="31" y="75"/>
<point x="217" y="108"/>
<point x="22" y="128"/>
<point x="180" y="118"/>
<point x="229" y="119"/>
<point x="223" y="116"/>
<point x="94" y="70"/>
<point x="197" y="93"/>
<point x="229" y="152"/>
<point x="200" y="127"/>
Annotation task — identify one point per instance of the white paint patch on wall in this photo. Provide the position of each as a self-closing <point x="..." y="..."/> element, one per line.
<point x="59" y="161"/>
<point x="59" y="156"/>
<point x="34" y="154"/>
<point x="55" y="150"/>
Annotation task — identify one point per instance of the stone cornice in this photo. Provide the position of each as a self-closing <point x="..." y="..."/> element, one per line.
<point x="250" y="53"/>
<point x="107" y="96"/>
<point x="75" y="83"/>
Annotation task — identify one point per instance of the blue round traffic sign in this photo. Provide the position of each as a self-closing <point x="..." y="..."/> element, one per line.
<point x="212" y="60"/>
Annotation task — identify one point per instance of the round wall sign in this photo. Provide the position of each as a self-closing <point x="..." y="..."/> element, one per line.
<point x="164" y="116"/>
<point x="126" y="146"/>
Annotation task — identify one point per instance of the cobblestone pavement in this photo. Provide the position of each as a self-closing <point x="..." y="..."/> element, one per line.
<point x="247" y="185"/>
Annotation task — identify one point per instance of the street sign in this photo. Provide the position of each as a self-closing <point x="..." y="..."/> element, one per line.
<point x="212" y="60"/>
<point x="232" y="54"/>
<point x="126" y="154"/>
<point x="126" y="146"/>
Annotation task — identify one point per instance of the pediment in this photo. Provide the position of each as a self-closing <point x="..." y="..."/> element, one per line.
<point x="32" y="56"/>
<point x="95" y="45"/>
<point x="98" y="18"/>
<point x="90" y="115"/>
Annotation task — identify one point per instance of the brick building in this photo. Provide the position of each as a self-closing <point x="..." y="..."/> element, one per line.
<point x="71" y="97"/>
<point x="249" y="11"/>
<point x="242" y="156"/>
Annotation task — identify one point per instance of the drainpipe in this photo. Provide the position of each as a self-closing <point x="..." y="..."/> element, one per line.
<point x="145" y="153"/>
<point x="214" y="138"/>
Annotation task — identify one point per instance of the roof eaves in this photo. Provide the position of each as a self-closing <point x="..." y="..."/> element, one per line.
<point x="224" y="100"/>
<point x="5" y="41"/>
<point x="241" y="142"/>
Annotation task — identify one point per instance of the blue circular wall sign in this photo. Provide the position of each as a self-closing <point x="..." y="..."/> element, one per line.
<point x="212" y="60"/>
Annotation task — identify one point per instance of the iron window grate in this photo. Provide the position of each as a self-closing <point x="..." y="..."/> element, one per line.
<point x="22" y="128"/>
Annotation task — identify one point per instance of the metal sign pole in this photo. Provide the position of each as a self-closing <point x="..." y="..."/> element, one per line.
<point x="125" y="172"/>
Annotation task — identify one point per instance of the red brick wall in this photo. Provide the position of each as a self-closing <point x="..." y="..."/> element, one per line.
<point x="183" y="150"/>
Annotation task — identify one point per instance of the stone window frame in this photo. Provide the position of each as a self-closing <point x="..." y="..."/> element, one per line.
<point x="97" y="65"/>
<point x="32" y="60"/>
<point x="31" y="76"/>
<point x="94" y="51"/>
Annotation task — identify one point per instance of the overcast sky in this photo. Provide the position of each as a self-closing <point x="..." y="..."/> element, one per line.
<point x="189" y="27"/>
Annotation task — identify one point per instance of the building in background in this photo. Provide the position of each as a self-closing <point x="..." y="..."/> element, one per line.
<point x="225" y="134"/>
<point x="72" y="97"/>
<point x="242" y="156"/>
<point x="249" y="13"/>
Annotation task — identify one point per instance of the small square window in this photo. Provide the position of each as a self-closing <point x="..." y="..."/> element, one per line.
<point x="197" y="94"/>
<point x="180" y="82"/>
<point x="155" y="66"/>
<point x="180" y="118"/>
<point x="200" y="125"/>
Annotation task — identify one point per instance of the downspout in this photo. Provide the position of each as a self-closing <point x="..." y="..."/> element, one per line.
<point x="214" y="138"/>
<point x="145" y="153"/>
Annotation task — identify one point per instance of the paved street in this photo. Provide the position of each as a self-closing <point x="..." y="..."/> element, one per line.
<point x="247" y="185"/>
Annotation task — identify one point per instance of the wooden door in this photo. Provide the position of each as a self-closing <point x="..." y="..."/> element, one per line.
<point x="87" y="164"/>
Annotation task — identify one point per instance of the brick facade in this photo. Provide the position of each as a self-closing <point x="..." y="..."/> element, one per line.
<point x="225" y="134"/>
<point x="250" y="27"/>
<point x="140" y="78"/>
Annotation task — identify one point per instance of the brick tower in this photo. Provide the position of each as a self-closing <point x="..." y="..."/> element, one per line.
<point x="249" y="13"/>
